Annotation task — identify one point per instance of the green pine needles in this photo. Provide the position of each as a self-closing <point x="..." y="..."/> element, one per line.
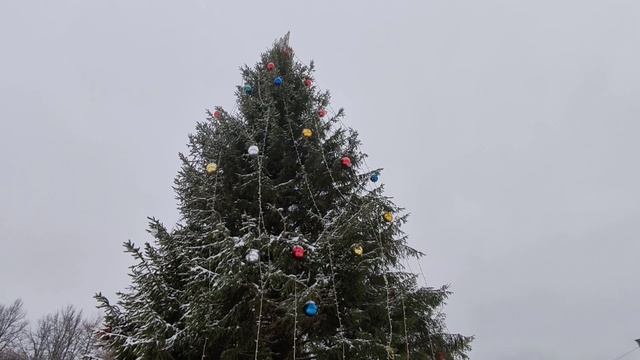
<point x="226" y="283"/>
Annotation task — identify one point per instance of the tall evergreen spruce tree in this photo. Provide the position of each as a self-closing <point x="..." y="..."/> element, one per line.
<point x="225" y="284"/>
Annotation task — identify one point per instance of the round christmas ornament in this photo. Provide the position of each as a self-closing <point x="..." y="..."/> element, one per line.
<point x="253" y="150"/>
<point x="271" y="66"/>
<point x="357" y="249"/>
<point x="253" y="256"/>
<point x="388" y="216"/>
<point x="322" y="112"/>
<point x="217" y="114"/>
<point x="346" y="162"/>
<point x="278" y="81"/>
<point x="307" y="133"/>
<point x="308" y="82"/>
<point x="310" y="308"/>
<point x="212" y="168"/>
<point x="248" y="89"/>
<point x="374" y="177"/>
<point x="298" y="252"/>
<point x="442" y="356"/>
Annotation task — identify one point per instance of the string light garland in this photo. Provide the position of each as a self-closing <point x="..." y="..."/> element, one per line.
<point x="357" y="249"/>
<point x="388" y="215"/>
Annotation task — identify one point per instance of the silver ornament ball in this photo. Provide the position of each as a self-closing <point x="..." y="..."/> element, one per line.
<point x="253" y="256"/>
<point x="253" y="150"/>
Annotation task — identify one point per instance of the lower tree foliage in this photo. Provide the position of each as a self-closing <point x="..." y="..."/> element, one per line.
<point x="223" y="283"/>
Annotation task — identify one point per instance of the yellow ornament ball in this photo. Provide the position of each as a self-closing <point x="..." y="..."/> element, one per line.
<point x="357" y="249"/>
<point x="388" y="216"/>
<point x="211" y="168"/>
<point x="307" y="133"/>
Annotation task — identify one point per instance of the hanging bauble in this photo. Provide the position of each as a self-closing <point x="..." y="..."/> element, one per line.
<point x="310" y="308"/>
<point x="217" y="114"/>
<point x="212" y="168"/>
<point x="388" y="216"/>
<point x="308" y="82"/>
<point x="292" y="208"/>
<point x="346" y="162"/>
<point x="374" y="177"/>
<point x="248" y="89"/>
<point x="298" y="252"/>
<point x="253" y="256"/>
<point x="271" y="66"/>
<point x="322" y="112"/>
<point x="307" y="133"/>
<point x="253" y="150"/>
<point x="442" y="356"/>
<point x="357" y="249"/>
<point x="278" y="81"/>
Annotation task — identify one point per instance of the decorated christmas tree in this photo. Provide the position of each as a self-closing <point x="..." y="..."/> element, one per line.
<point x="287" y="247"/>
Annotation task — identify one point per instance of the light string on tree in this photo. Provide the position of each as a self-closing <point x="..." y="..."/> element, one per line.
<point x="295" y="315"/>
<point x="322" y="113"/>
<point x="260" y="226"/>
<point x="334" y="183"/>
<point x="319" y="214"/>
<point x="386" y="286"/>
<point x="386" y="282"/>
<point x="433" y="355"/>
<point x="261" y="222"/>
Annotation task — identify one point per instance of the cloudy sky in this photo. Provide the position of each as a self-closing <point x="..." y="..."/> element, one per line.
<point x="509" y="129"/>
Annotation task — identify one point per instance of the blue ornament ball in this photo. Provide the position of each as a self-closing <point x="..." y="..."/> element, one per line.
<point x="278" y="81"/>
<point x="374" y="177"/>
<point x="310" y="308"/>
<point x="248" y="89"/>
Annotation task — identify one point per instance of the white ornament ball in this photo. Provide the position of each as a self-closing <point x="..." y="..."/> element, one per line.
<point x="253" y="150"/>
<point x="253" y="256"/>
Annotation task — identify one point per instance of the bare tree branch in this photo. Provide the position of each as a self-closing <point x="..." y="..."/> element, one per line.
<point x="12" y="325"/>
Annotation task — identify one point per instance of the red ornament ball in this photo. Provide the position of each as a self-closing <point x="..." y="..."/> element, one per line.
<point x="308" y="82"/>
<point x="298" y="252"/>
<point x="271" y="66"/>
<point x="217" y="114"/>
<point x="346" y="162"/>
<point x="322" y="112"/>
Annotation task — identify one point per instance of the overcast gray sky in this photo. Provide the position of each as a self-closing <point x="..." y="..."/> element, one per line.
<point x="509" y="129"/>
